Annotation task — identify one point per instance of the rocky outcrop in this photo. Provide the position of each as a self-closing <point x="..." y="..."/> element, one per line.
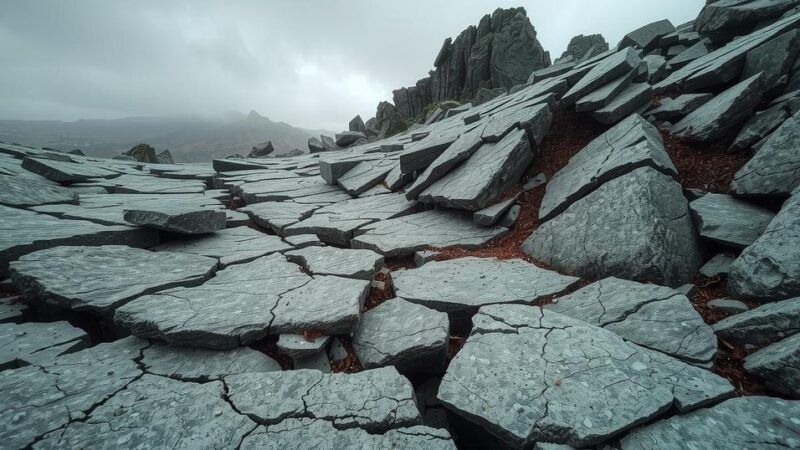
<point x="142" y="153"/>
<point x="165" y="157"/>
<point x="581" y="47"/>
<point x="261" y="150"/>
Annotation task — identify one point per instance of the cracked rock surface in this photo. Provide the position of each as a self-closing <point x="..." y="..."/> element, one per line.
<point x="763" y="325"/>
<point x="35" y="343"/>
<point x="349" y="263"/>
<point x="231" y="246"/>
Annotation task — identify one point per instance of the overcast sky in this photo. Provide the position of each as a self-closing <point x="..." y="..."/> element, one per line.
<point x="314" y="64"/>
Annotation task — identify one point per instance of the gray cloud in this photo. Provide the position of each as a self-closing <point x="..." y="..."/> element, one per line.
<point x="309" y="63"/>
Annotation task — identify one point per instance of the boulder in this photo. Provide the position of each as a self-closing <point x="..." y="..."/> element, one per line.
<point x="261" y="150"/>
<point x="763" y="325"/>
<point x="759" y="127"/>
<point x="690" y="54"/>
<point x="678" y="107"/>
<point x="722" y="20"/>
<point x="347" y="138"/>
<point x="719" y="265"/>
<point x="315" y="145"/>
<point x="165" y="157"/>
<point x="728" y="306"/>
<point x="581" y="47"/>
<point x="388" y="120"/>
<point x="142" y="153"/>
<point x="605" y="71"/>
<point x="775" y="60"/>
<point x="648" y="36"/>
<point x="357" y="124"/>
<point x="656" y="68"/>
<point x="777" y="365"/>
<point x="633" y="98"/>
<point x="183" y="220"/>
<point x="728" y="220"/>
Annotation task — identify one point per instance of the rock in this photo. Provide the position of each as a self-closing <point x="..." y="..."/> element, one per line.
<point x="278" y="215"/>
<point x="579" y="46"/>
<point x="37" y="343"/>
<point x="763" y="325"/>
<point x="388" y="120"/>
<point x="261" y="150"/>
<point x="485" y="175"/>
<point x="491" y="215"/>
<point x="602" y="96"/>
<point x="719" y="265"/>
<point x="760" y="127"/>
<point x="736" y="423"/>
<point x="165" y="157"/>
<point x="231" y="246"/>
<point x="647" y="37"/>
<point x="728" y="306"/>
<point x="688" y="289"/>
<point x="298" y="346"/>
<point x="12" y="308"/>
<point x="769" y="269"/>
<point x="690" y="54"/>
<point x="440" y="229"/>
<point x="347" y="138"/>
<point x="178" y="219"/>
<point x="142" y="153"/>
<point x="652" y="316"/>
<point x="411" y="101"/>
<point x="656" y="68"/>
<point x="607" y="70"/>
<point x="303" y="240"/>
<point x="469" y="283"/>
<point x="461" y="149"/>
<point x="730" y="221"/>
<point x="340" y="398"/>
<point x="775" y="168"/>
<point x="722" y="20"/>
<point x="534" y="182"/>
<point x="424" y="256"/>
<point x="65" y="172"/>
<point x="316" y="260"/>
<point x="76" y="151"/>
<point x="650" y="236"/>
<point x="527" y="375"/>
<point x="366" y="175"/>
<point x="315" y="145"/>
<point x="510" y="218"/>
<point x="318" y="362"/>
<point x="679" y="106"/>
<point x="200" y="365"/>
<point x="484" y="95"/>
<point x="103" y="278"/>
<point x="515" y="51"/>
<point x="357" y="124"/>
<point x="713" y="119"/>
<point x="632" y="99"/>
<point x="775" y="60"/>
<point x="410" y="337"/>
<point x="777" y="365"/>
<point x="22" y="192"/>
<point x="328" y="143"/>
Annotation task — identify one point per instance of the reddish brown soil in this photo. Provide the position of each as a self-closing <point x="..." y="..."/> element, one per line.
<point x="350" y="364"/>
<point x="703" y="166"/>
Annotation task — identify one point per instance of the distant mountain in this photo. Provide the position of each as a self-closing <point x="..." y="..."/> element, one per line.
<point x="189" y="138"/>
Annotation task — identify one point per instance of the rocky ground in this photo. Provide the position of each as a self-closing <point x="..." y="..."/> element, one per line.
<point x="605" y="253"/>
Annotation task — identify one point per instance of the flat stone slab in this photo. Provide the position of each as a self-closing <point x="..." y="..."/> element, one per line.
<point x="439" y="229"/>
<point x="197" y="364"/>
<point x="66" y="171"/>
<point x="146" y="184"/>
<point x="719" y="265"/>
<point x="187" y="415"/>
<point x="297" y="346"/>
<point x="728" y="220"/>
<point x="101" y="279"/>
<point x="778" y="365"/>
<point x="769" y="269"/>
<point x="636" y="227"/>
<point x="303" y="240"/>
<point x="628" y="101"/>
<point x="366" y="175"/>
<point x="230" y="246"/>
<point x="278" y="215"/>
<point x="373" y="400"/>
<point x="294" y="188"/>
<point x="463" y="148"/>
<point x="743" y="422"/>
<point x="492" y="214"/>
<point x="12" y="309"/>
<point x="247" y="302"/>
<point x="23" y="232"/>
<point x="410" y="337"/>
<point x="21" y="192"/>
<point x="728" y="306"/>
<point x="604" y="95"/>
<point x="775" y="168"/>
<point x="469" y="283"/>
<point x="348" y="263"/>
<point x="529" y="375"/>
<point x="649" y="315"/>
<point x="605" y="71"/>
<point x="476" y="183"/>
<point x="179" y="220"/>
<point x="763" y="325"/>
<point x="647" y="37"/>
<point x="672" y="108"/>
<point x="36" y="343"/>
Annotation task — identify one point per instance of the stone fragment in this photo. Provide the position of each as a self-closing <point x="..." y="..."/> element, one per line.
<point x="298" y="346"/>
<point x="690" y="54"/>
<point x="179" y="220"/>
<point x="424" y="256"/>
<point x="728" y="306"/>
<point x="534" y="182"/>
<point x="194" y="364"/>
<point x="719" y="265"/>
<point x="730" y="221"/>
<point x="775" y="168"/>
<point x="318" y="361"/>
<point x="278" y="215"/>
<point x="66" y="171"/>
<point x="21" y="192"/>
<point x="604" y="95"/>
<point x="760" y="127"/>
<point x="775" y="60"/>
<point x="303" y="240"/>
<point x="631" y="99"/>
<point x="349" y="263"/>
<point x="36" y="343"/>
<point x="491" y="215"/>
<point x="230" y="246"/>
<point x="463" y="148"/>
<point x="763" y="325"/>
<point x="346" y="138"/>
<point x="647" y="37"/>
<point x="778" y="365"/>
<point x="605" y="71"/>
<point x="674" y="108"/>
<point x="656" y="68"/>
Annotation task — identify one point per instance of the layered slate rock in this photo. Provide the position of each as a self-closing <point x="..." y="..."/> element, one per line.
<point x="672" y="108"/>
<point x="647" y="37"/>
<point x="529" y="375"/>
<point x="246" y="302"/>
<point x="373" y="400"/>
<point x="491" y="215"/>
<point x="775" y="168"/>
<point x="195" y="364"/>
<point x="607" y="70"/>
<point x="714" y="118"/>
<point x="769" y="269"/>
<point x="361" y="264"/>
<point x="278" y="215"/>
<point x="230" y="246"/>
<point x="743" y="422"/>
<point x="631" y="144"/>
<point x="652" y="316"/>
<point x="12" y="309"/>
<point x="631" y="99"/>
<point x="778" y="365"/>
<point x="719" y="265"/>
<point x="178" y="219"/>
<point x="22" y="232"/>
<point x="22" y="192"/>
<point x="410" y="337"/>
<point x="649" y="236"/>
<point x="469" y="283"/>
<point x="41" y="398"/>
<point x="66" y="171"/>
<point x="37" y="343"/>
<point x="728" y="220"/>
<point x="100" y="279"/>
<point x="485" y="175"/>
<point x="298" y="346"/>
<point x="158" y="410"/>
<point x="763" y="325"/>
<point x="440" y="229"/>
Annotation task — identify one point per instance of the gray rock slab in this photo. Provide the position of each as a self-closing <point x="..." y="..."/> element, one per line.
<point x="348" y="263"/>
<point x="423" y="257"/>
<point x="346" y="138"/>
<point x="297" y="346"/>
<point x="778" y="365"/>
<point x="529" y="375"/>
<point x="533" y="116"/>
<point x="728" y="220"/>
<point x="373" y="400"/>
<point x="146" y="184"/>
<point x="235" y="219"/>
<point x="648" y="237"/>
<point x="278" y="215"/>
<point x="303" y="240"/>
<point x="743" y="422"/>
<point x="656" y="68"/>
<point x="318" y="361"/>
<point x="437" y="229"/>
<point x="409" y="336"/>
<point x="714" y="118"/>
<point x="157" y="411"/>
<point x="607" y="70"/>
<point x="492" y="214"/>
<point x="469" y="283"/>
<point x="673" y="108"/>
<point x="22" y="232"/>
<point x="463" y="148"/>
<point x="760" y="127"/>
<point x="195" y="364"/>
<point x="631" y="99"/>
<point x="12" y="309"/>
<point x="66" y="171"/>
<point x="40" y="399"/>
<point x="21" y="192"/>
<point x="775" y="168"/>
<point x="36" y="343"/>
<point x="769" y="269"/>
<point x="511" y="216"/>
<point x="100" y="279"/>
<point x="647" y="37"/>
<point x="534" y="182"/>
<point x="690" y="54"/>
<point x="230" y="246"/>
<point x="763" y="325"/>
<point x="727" y="305"/>
<point x="649" y="315"/>
<point x="604" y="95"/>
<point x="178" y="219"/>
<point x="366" y="175"/>
<point x="296" y="188"/>
<point x="486" y="174"/>
<point x="720" y="264"/>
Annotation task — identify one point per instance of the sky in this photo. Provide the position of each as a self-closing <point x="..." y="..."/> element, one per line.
<point x="313" y="64"/>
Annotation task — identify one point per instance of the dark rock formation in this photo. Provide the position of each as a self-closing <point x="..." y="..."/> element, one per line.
<point x="142" y="153"/>
<point x="261" y="150"/>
